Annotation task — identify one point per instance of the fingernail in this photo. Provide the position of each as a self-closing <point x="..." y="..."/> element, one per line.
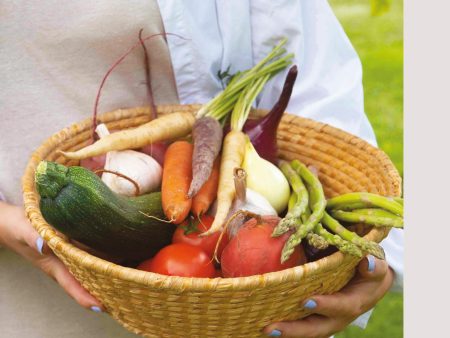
<point x="275" y="333"/>
<point x="40" y="244"/>
<point x="96" y="309"/>
<point x="371" y="263"/>
<point x="310" y="304"/>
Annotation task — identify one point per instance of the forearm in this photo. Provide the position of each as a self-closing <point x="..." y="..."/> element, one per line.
<point x="12" y="224"/>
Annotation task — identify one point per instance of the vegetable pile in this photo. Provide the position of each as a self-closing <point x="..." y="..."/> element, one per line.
<point x="216" y="202"/>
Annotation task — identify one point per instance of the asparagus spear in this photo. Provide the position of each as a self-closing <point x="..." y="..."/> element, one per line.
<point x="367" y="200"/>
<point x="301" y="195"/>
<point x="321" y="238"/>
<point x="316" y="240"/>
<point x="292" y="201"/>
<point x="317" y="203"/>
<point x="376" y="217"/>
<point x="399" y="200"/>
<point x="365" y="245"/>
<point x="342" y="244"/>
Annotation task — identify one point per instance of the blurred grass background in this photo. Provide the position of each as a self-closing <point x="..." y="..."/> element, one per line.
<point x="379" y="43"/>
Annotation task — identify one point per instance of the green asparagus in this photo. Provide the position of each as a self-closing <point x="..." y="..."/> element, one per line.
<point x="367" y="200"/>
<point x="376" y="217"/>
<point x="364" y="244"/>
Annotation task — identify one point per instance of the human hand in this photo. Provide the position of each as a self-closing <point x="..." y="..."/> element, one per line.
<point x="17" y="234"/>
<point x="333" y="313"/>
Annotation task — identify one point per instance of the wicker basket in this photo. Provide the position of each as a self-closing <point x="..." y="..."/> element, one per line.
<point x="153" y="305"/>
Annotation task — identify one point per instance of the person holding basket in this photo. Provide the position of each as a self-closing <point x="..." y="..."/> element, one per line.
<point x="52" y="64"/>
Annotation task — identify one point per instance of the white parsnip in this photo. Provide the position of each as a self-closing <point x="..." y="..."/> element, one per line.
<point x="166" y="127"/>
<point x="232" y="157"/>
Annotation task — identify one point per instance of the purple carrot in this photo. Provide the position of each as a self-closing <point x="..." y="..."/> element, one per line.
<point x="263" y="134"/>
<point x="207" y="135"/>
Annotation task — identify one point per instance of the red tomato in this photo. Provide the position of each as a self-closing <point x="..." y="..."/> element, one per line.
<point x="253" y="251"/>
<point x="182" y="260"/>
<point x="189" y="232"/>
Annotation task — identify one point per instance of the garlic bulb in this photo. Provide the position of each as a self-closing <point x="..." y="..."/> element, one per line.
<point x="140" y="167"/>
<point x="255" y="203"/>
<point x="246" y="200"/>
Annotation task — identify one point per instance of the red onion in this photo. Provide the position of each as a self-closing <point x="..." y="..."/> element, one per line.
<point x="263" y="132"/>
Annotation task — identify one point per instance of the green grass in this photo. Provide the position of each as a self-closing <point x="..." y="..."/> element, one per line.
<point x="379" y="43"/>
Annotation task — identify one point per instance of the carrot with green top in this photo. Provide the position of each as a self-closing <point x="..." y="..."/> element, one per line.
<point x="233" y="152"/>
<point x="177" y="176"/>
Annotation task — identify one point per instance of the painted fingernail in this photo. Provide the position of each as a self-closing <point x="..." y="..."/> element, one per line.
<point x="370" y="263"/>
<point x="96" y="309"/>
<point x="310" y="304"/>
<point x="275" y="333"/>
<point x="40" y="244"/>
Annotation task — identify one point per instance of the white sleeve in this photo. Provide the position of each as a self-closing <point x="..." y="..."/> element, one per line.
<point x="329" y="84"/>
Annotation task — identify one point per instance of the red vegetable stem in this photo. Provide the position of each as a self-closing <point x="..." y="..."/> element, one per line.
<point x="263" y="134"/>
<point x="97" y="99"/>
<point x="148" y="78"/>
<point x="136" y="186"/>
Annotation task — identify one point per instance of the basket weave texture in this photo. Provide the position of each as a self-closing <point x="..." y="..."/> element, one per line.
<point x="153" y="305"/>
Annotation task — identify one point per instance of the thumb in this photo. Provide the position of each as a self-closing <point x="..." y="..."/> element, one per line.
<point x="36" y="242"/>
<point x="371" y="267"/>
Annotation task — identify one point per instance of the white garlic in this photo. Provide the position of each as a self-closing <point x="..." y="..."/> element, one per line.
<point x="140" y="167"/>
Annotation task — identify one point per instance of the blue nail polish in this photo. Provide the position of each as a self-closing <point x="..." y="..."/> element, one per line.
<point x="275" y="333"/>
<point x="40" y="244"/>
<point x="310" y="304"/>
<point x="370" y="263"/>
<point x="96" y="309"/>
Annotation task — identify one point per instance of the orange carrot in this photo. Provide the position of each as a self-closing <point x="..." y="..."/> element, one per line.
<point x="208" y="192"/>
<point x="177" y="177"/>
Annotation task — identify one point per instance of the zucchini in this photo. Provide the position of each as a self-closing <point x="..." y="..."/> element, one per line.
<point x="76" y="202"/>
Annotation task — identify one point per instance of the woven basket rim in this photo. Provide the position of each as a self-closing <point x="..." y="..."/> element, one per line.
<point x="100" y="265"/>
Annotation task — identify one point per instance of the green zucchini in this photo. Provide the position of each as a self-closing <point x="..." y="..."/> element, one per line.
<point x="76" y="202"/>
